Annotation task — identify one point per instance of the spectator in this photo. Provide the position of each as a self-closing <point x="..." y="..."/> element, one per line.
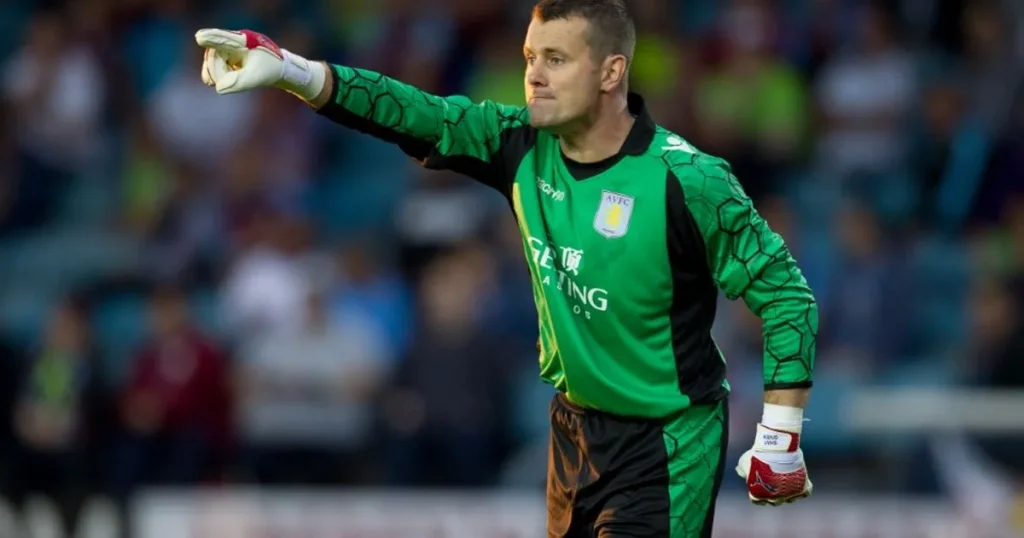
<point x="1001" y="248"/>
<point x="176" y="406"/>
<point x="55" y="92"/>
<point x="372" y="291"/>
<point x="510" y="310"/>
<point x="861" y="321"/>
<point x="751" y="106"/>
<point x="147" y="180"/>
<point x="284" y="129"/>
<point x="305" y="402"/>
<point x="500" y="72"/>
<point x="94" y="24"/>
<point x="246" y="196"/>
<point x="1001" y="183"/>
<point x="441" y="210"/>
<point x="184" y="229"/>
<point x="995" y="323"/>
<point x="992" y="71"/>
<point x="444" y="405"/>
<point x="999" y="346"/>
<point x="942" y="119"/>
<point x="865" y="96"/>
<point x="182" y="102"/>
<point x="57" y="89"/>
<point x="266" y="288"/>
<point x="61" y="416"/>
<point x="655" y="71"/>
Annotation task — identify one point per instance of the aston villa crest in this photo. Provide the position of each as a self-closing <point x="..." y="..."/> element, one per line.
<point x="612" y="218"/>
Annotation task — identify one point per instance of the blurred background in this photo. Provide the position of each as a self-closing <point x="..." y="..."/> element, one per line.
<point x="225" y="316"/>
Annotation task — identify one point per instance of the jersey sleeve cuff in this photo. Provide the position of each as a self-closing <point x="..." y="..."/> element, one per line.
<point x="789" y="386"/>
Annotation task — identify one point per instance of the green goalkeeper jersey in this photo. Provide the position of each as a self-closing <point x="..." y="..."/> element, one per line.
<point x="627" y="256"/>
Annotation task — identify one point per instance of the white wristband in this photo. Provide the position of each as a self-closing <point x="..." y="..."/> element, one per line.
<point x="301" y="76"/>
<point x="783" y="417"/>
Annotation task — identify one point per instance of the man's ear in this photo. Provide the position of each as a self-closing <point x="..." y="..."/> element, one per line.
<point x="614" y="71"/>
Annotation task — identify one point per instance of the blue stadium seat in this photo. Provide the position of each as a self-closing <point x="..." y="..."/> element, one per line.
<point x="698" y="16"/>
<point x="530" y="411"/>
<point x="926" y="371"/>
<point x="23" y="312"/>
<point x="361" y="195"/>
<point x="942" y="277"/>
<point x="894" y="197"/>
<point x="529" y="428"/>
<point x="119" y="325"/>
<point x="100" y="255"/>
<point x="205" y="305"/>
<point x="154" y="49"/>
<point x="64" y="258"/>
<point x="814" y="200"/>
<point x="88" y="202"/>
<point x="815" y="252"/>
<point x="32" y="261"/>
<point x="12" y="23"/>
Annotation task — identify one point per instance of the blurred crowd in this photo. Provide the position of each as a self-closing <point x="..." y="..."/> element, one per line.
<point x="206" y="289"/>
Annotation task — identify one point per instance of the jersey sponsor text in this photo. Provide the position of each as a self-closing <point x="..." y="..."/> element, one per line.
<point x="558" y="267"/>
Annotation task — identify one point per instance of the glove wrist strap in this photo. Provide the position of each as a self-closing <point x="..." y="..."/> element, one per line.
<point x="301" y="77"/>
<point x="773" y="440"/>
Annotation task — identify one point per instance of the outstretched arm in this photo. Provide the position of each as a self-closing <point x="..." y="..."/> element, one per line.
<point x="452" y="133"/>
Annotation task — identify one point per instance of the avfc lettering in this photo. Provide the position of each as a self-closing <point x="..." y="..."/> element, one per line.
<point x="558" y="267"/>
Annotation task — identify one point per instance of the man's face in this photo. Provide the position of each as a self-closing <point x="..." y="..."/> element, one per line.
<point x="562" y="79"/>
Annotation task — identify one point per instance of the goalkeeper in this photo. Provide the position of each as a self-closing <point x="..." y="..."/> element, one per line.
<point x="629" y="233"/>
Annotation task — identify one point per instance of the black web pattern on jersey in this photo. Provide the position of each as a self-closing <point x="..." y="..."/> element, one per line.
<point x="721" y="190"/>
<point x="389" y="102"/>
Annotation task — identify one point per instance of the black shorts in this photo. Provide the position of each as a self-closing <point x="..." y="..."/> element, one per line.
<point x="618" y="477"/>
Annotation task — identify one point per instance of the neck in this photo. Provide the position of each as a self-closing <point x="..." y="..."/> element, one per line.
<point x="600" y="134"/>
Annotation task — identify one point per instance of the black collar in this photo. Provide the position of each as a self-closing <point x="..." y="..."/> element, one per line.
<point x="642" y="133"/>
<point x="637" y="141"/>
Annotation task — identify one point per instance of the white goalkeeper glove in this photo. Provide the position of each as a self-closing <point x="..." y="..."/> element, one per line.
<point x="238" y="61"/>
<point x="774" y="468"/>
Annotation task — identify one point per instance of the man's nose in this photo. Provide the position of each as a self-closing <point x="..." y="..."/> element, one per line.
<point x="535" y="76"/>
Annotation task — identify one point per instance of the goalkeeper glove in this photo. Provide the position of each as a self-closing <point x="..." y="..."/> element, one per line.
<point x="238" y="61"/>
<point x="774" y="468"/>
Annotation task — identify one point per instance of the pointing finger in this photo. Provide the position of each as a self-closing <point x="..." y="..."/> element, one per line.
<point x="224" y="40"/>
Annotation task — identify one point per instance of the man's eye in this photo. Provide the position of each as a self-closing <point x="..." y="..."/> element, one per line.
<point x="555" y="60"/>
<point x="530" y="60"/>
